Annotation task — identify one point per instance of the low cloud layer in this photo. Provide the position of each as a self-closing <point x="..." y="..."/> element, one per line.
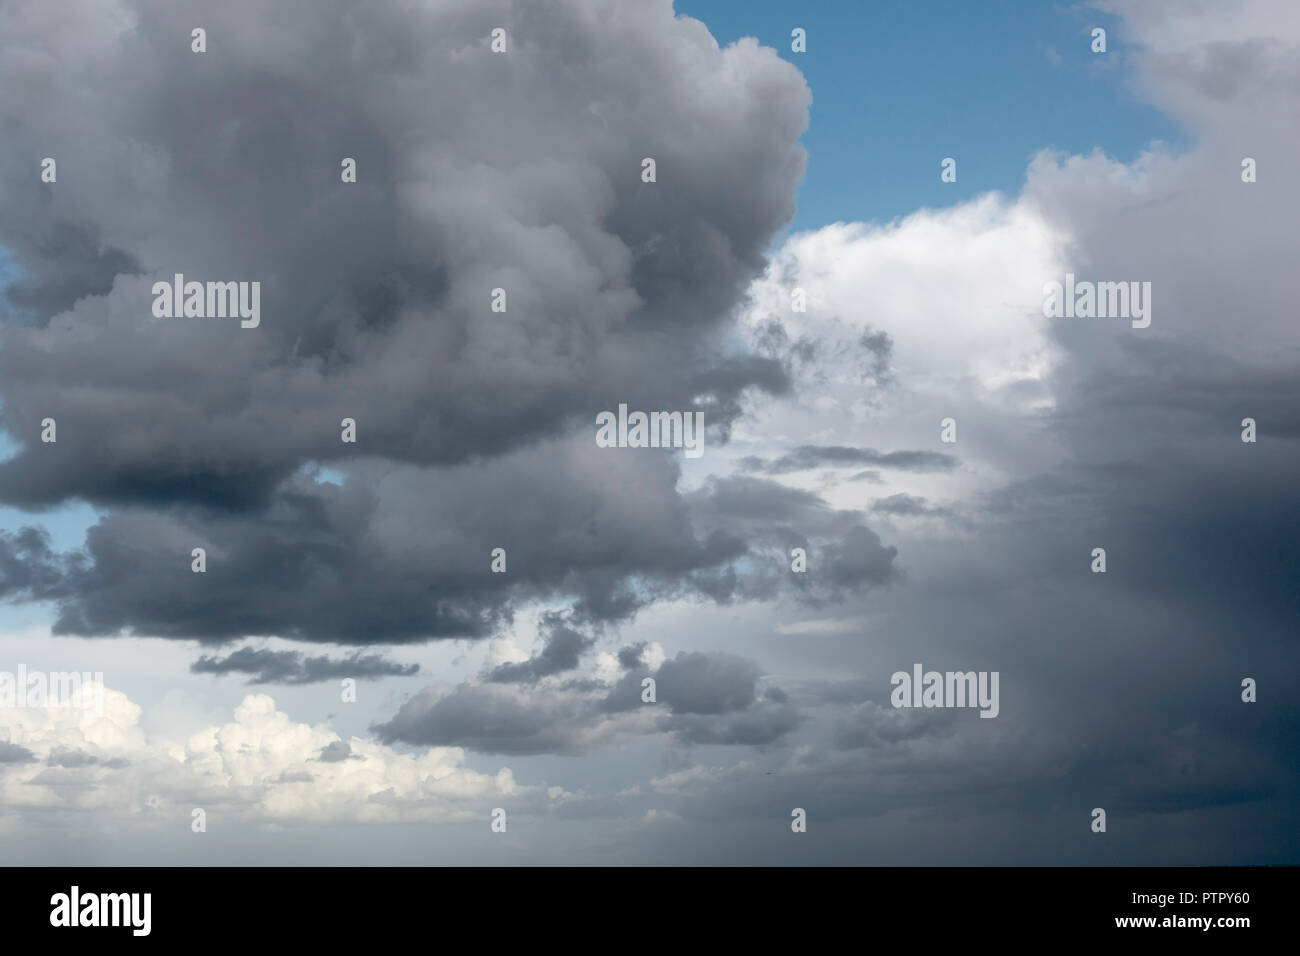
<point x="266" y="666"/>
<point x="698" y="698"/>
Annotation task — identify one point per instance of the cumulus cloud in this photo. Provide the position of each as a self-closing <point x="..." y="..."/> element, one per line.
<point x="1117" y="690"/>
<point x="375" y="306"/>
<point x="261" y="766"/>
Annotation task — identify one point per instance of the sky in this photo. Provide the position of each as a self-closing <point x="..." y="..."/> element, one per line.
<point x="892" y="91"/>
<point x="908" y="460"/>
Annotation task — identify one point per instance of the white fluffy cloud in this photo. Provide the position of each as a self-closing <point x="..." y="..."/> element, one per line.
<point x="938" y="315"/>
<point x="261" y="765"/>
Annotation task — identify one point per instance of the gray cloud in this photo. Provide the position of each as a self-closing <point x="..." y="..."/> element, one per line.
<point x="336" y="752"/>
<point x="903" y="505"/>
<point x="563" y="648"/>
<point x="708" y="697"/>
<point x="1120" y="690"/>
<point x="414" y="547"/>
<point x="15" y="753"/>
<point x="297" y="776"/>
<point x="489" y="718"/>
<point x="293" y="667"/>
<point x="696" y="683"/>
<point x="772" y="518"/>
<point x="374" y="306"/>
<point x="74" y="759"/>
<point x="631" y="656"/>
<point x="30" y="569"/>
<point x="818" y="456"/>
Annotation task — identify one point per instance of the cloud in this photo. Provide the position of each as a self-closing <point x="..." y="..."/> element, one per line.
<point x="493" y="719"/>
<point x="606" y="529"/>
<point x="11" y="753"/>
<point x="632" y="655"/>
<point x="1122" y="688"/>
<point x="811" y="456"/>
<point x="375" y="305"/>
<point x="697" y="683"/>
<point x="563" y="648"/>
<point x="293" y="667"/>
<point x="709" y="697"/>
<point x="29" y="568"/>
<point x="254" y="768"/>
<point x="912" y="506"/>
<point x="336" y="751"/>
<point x="71" y="758"/>
<point x="771" y="519"/>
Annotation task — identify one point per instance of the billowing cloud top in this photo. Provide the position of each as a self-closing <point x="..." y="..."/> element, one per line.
<point x="476" y="171"/>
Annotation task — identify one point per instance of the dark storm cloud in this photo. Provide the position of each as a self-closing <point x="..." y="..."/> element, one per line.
<point x="819" y="456"/>
<point x="29" y="569"/>
<point x="1199" y="527"/>
<point x="476" y="171"/>
<point x="404" y="554"/>
<point x="561" y="652"/>
<point x="697" y="683"/>
<point x="630" y="656"/>
<point x="744" y="499"/>
<point x="293" y="667"/>
<point x="762" y="725"/>
<point x="401" y="554"/>
<point x="1120" y="690"/>
<point x="871" y="725"/>
<point x="701" y="698"/>
<point x="490" y="718"/>
<point x="858" y="558"/>
<point x="715" y="699"/>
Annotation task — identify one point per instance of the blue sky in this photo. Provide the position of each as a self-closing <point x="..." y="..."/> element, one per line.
<point x="896" y="92"/>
